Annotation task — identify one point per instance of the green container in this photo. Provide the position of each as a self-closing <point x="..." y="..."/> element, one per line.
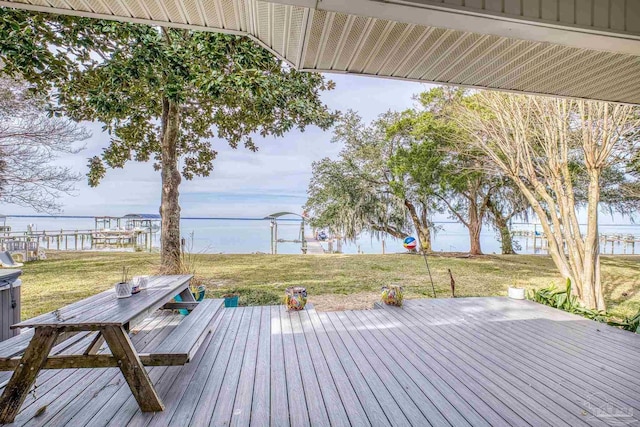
<point x="231" y="301"/>
<point x="199" y="294"/>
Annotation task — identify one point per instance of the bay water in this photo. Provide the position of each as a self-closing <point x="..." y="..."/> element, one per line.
<point x="252" y="235"/>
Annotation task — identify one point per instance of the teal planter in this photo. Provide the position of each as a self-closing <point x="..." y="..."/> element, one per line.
<point x="231" y="301"/>
<point x="198" y="295"/>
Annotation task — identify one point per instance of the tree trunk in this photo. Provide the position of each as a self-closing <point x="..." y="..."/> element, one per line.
<point x="592" y="294"/>
<point x="502" y="224"/>
<point x="424" y="234"/>
<point x="475" y="227"/>
<point x="170" y="207"/>
<point x="423" y="231"/>
<point x="506" y="241"/>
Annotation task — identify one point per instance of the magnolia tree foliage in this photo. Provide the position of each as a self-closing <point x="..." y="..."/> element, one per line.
<point x="168" y="96"/>
<point x="558" y="152"/>
<point x="31" y="141"/>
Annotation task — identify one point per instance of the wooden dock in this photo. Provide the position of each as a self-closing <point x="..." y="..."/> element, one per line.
<point x="76" y="240"/>
<point x="314" y="247"/>
<point x="444" y="362"/>
<point x="609" y="243"/>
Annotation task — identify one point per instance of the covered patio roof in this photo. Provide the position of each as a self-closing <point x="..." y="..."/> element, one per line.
<point x="575" y="48"/>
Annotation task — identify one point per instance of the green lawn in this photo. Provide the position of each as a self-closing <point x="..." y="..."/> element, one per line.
<point x="333" y="281"/>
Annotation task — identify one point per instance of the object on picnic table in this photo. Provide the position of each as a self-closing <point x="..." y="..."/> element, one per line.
<point x="123" y="290"/>
<point x="392" y="295"/>
<point x="140" y="282"/>
<point x="295" y="298"/>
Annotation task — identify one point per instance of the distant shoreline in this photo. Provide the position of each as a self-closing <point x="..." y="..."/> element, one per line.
<point x="223" y="218"/>
<point x="186" y="217"/>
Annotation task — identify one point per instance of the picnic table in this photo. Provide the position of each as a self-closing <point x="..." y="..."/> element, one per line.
<point x="109" y="319"/>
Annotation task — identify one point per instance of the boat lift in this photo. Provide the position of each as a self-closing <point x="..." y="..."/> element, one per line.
<point x="274" y="232"/>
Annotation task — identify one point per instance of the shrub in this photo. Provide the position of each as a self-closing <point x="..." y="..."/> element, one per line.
<point x="564" y="300"/>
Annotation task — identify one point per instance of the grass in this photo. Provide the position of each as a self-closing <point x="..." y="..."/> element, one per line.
<point x="333" y="281"/>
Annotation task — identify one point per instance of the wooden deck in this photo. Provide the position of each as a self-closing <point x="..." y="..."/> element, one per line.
<point x="471" y="361"/>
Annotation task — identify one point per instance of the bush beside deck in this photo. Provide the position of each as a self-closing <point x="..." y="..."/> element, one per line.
<point x="333" y="281"/>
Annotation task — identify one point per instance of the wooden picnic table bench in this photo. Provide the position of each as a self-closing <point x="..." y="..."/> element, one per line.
<point x="110" y="320"/>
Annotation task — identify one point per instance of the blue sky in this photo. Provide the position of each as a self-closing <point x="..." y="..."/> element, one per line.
<point x="243" y="183"/>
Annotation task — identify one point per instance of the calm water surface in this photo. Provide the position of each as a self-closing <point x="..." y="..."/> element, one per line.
<point x="243" y="236"/>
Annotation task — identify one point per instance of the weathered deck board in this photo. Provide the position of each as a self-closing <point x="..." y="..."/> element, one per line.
<point x="298" y="410"/>
<point x="511" y="336"/>
<point x="332" y="402"/>
<point x="353" y="387"/>
<point x="541" y="390"/>
<point x="457" y="403"/>
<point x="262" y="382"/>
<point x="201" y="414"/>
<point x="196" y="372"/>
<point x="605" y="371"/>
<point x="512" y="396"/>
<point x="241" y="413"/>
<point x="432" y="404"/>
<point x="472" y="361"/>
<point x="388" y="389"/>
<point x="311" y="383"/>
<point x="559" y="333"/>
<point x="491" y="409"/>
<point x="224" y="404"/>
<point x="577" y="385"/>
<point x="378" y="411"/>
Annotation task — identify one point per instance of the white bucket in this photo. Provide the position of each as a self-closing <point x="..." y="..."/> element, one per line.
<point x="516" y="293"/>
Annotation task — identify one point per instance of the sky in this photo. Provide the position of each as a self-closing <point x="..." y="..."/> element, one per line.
<point x="243" y="183"/>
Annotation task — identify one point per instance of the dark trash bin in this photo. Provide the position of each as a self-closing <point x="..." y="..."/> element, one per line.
<point x="9" y="302"/>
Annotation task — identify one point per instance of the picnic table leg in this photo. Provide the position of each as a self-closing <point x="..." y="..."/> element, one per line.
<point x="132" y="369"/>
<point x="187" y="296"/>
<point x="25" y="374"/>
<point x="95" y="345"/>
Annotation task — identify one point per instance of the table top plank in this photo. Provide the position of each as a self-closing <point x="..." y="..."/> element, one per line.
<point x="105" y="309"/>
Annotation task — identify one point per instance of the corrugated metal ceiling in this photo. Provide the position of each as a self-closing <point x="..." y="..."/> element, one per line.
<point x="323" y="40"/>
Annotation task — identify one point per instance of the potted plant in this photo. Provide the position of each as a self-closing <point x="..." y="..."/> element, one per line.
<point x="515" y="292"/>
<point x="199" y="292"/>
<point x="295" y="298"/>
<point x="392" y="295"/>
<point x="123" y="288"/>
<point x="231" y="300"/>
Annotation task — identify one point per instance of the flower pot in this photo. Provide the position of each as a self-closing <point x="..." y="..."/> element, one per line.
<point x="295" y="298"/>
<point x="392" y="295"/>
<point x="516" y="293"/>
<point x="123" y="290"/>
<point x="199" y="293"/>
<point x="231" y="300"/>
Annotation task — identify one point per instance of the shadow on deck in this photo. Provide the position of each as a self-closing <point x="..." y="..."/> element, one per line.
<point x="469" y="361"/>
